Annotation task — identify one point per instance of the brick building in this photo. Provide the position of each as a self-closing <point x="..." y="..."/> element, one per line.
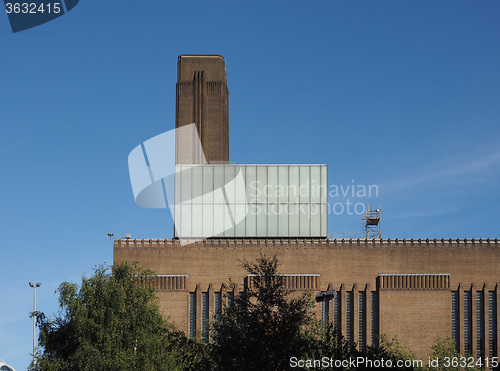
<point x="418" y="289"/>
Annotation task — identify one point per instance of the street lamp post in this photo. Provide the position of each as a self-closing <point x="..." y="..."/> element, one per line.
<point x="38" y="284"/>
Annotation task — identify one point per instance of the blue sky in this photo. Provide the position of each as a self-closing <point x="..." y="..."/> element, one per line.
<point x="403" y="95"/>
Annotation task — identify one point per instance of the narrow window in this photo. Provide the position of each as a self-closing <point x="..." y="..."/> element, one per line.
<point x="455" y="318"/>
<point x="230" y="299"/>
<point x="349" y="317"/>
<point x="361" y="320"/>
<point x="480" y="324"/>
<point x="374" y="319"/>
<point x="192" y="315"/>
<point x="492" y="315"/>
<point x="204" y="316"/>
<point x="336" y="312"/>
<point x="218" y="306"/>
<point x="324" y="310"/>
<point x="467" y="322"/>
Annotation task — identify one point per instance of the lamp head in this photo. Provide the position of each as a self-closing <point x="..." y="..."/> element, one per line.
<point x="31" y="284"/>
<point x="38" y="284"/>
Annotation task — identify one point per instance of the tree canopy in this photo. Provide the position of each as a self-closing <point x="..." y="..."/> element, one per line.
<point x="112" y="322"/>
<point x="267" y="325"/>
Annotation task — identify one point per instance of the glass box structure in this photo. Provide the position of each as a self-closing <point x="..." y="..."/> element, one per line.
<point x="232" y="200"/>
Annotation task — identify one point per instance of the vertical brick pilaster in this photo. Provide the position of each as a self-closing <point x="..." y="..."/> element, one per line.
<point x="368" y="315"/>
<point x="460" y="309"/>
<point x="486" y="324"/>
<point x="331" y="315"/>
<point x="343" y="306"/>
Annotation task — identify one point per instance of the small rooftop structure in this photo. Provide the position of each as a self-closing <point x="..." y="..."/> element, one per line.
<point x="372" y="224"/>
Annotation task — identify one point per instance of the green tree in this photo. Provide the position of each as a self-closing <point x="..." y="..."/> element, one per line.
<point x="445" y="348"/>
<point x="264" y="326"/>
<point x="112" y="322"/>
<point x="267" y="325"/>
<point x="327" y="341"/>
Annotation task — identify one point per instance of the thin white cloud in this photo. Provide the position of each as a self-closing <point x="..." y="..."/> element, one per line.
<point x="474" y="167"/>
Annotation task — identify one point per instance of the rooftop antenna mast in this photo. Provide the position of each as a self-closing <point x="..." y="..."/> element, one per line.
<point x="372" y="224"/>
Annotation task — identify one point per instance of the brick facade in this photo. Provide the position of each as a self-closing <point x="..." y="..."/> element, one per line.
<point x="403" y="287"/>
<point x="203" y="98"/>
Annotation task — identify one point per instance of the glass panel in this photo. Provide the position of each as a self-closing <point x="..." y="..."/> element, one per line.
<point x="315" y="184"/>
<point x="208" y="184"/>
<point x="315" y="220"/>
<point x="293" y="189"/>
<point x="293" y="222"/>
<point x="282" y="184"/>
<point x="185" y="221"/>
<point x="229" y="183"/>
<point x="178" y="183"/>
<point x="261" y="184"/>
<point x="251" y="221"/>
<point x="240" y="211"/>
<point x="197" y="184"/>
<point x="208" y="220"/>
<point x="305" y="187"/>
<point x="218" y="184"/>
<point x="186" y="180"/>
<point x="177" y="219"/>
<point x="197" y="221"/>
<point x="251" y="183"/>
<point x="272" y="220"/>
<point x="283" y="220"/>
<point x="324" y="183"/>
<point x="324" y="218"/>
<point x="219" y="211"/>
<point x="272" y="181"/>
<point x="304" y="210"/>
<point x="261" y="220"/>
<point x="240" y="188"/>
<point x="228" y="221"/>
